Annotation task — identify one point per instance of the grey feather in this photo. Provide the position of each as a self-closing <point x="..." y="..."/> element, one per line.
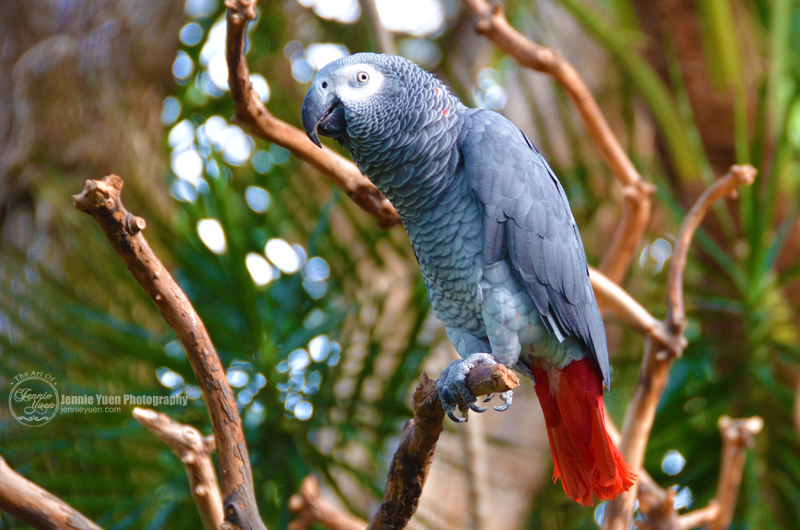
<point x="554" y="269"/>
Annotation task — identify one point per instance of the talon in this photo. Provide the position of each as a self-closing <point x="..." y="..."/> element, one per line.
<point x="455" y="418"/>
<point x="488" y="398"/>
<point x="507" y="397"/>
<point x="476" y="408"/>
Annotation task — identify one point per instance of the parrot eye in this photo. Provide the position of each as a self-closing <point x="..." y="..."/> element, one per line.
<point x="362" y="77"/>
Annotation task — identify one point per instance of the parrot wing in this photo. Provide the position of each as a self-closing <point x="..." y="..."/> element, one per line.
<point x="527" y="220"/>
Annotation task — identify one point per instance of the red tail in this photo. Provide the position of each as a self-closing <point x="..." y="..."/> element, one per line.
<point x="586" y="459"/>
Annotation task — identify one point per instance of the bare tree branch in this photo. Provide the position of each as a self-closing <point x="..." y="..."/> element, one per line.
<point x="252" y="111"/>
<point x="726" y="186"/>
<point x="737" y="436"/>
<point x="36" y="506"/>
<point x="411" y="463"/>
<point x="194" y="452"/>
<point x="414" y="455"/>
<point x="635" y="190"/>
<point x="101" y="200"/>
<point x="659" y="355"/>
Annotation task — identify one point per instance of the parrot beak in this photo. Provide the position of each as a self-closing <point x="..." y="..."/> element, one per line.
<point x="322" y="114"/>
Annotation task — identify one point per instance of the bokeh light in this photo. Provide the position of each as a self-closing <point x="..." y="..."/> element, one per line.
<point x="170" y="110"/>
<point x="673" y="462"/>
<point x="212" y="235"/>
<point x="415" y="17"/>
<point x="283" y="255"/>
<point x="345" y="11"/>
<point x="260" y="270"/>
<point x="258" y="199"/>
<point x="191" y="34"/>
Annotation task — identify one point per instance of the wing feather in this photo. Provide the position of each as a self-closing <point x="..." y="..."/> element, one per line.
<point x="527" y="221"/>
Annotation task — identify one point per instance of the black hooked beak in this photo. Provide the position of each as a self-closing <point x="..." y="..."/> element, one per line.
<point x="322" y="114"/>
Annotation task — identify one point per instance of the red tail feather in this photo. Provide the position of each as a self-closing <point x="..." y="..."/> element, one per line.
<point x="586" y="459"/>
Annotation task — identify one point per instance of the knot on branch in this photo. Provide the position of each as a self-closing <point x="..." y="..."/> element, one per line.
<point x="745" y="174"/>
<point x="99" y="196"/>
<point x="493" y="15"/>
<point x="242" y="11"/>
<point x="638" y="190"/>
<point x="740" y="431"/>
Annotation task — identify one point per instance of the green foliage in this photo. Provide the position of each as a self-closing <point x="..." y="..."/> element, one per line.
<point x="70" y="308"/>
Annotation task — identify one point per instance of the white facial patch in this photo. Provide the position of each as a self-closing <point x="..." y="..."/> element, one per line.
<point x="350" y="84"/>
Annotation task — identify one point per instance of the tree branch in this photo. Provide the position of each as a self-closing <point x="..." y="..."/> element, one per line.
<point x="414" y="454"/>
<point x="101" y="200"/>
<point x="636" y="191"/>
<point x="737" y="435"/>
<point x="36" y="506"/>
<point x="252" y="111"/>
<point x="726" y="186"/>
<point x="659" y="355"/>
<point x="410" y="464"/>
<point x="194" y="452"/>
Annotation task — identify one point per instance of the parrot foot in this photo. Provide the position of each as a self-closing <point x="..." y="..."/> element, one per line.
<point x="453" y="391"/>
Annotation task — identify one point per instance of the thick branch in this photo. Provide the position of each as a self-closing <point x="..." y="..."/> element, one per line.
<point x="636" y="192"/>
<point x="410" y="465"/>
<point x="252" y="111"/>
<point x="194" y="452"/>
<point x="36" y="506"/>
<point x="659" y="355"/>
<point x="101" y="200"/>
<point x="414" y="455"/>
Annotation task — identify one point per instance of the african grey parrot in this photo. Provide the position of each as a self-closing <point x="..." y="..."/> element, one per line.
<point x="497" y="244"/>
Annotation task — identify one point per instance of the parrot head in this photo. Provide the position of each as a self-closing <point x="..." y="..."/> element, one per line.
<point x="351" y="96"/>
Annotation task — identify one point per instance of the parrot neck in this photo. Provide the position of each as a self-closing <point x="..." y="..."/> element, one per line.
<point x="415" y="164"/>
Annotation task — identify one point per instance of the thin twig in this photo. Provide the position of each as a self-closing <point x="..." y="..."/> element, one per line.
<point x="727" y="186"/>
<point x="252" y="111"/>
<point x="737" y="436"/>
<point x="101" y="200"/>
<point x="636" y="191"/>
<point x="194" y="452"/>
<point x="659" y="355"/>
<point x="36" y="506"/>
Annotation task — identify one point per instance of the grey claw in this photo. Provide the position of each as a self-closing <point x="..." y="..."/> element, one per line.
<point x="476" y="408"/>
<point x="488" y="398"/>
<point x="507" y="397"/>
<point x="455" y="418"/>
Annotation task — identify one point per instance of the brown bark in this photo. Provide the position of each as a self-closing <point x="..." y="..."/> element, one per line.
<point x="194" y="452"/>
<point x="101" y="200"/>
<point x="36" y="506"/>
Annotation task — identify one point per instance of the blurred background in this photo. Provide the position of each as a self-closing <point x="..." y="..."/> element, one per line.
<point x="320" y="317"/>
